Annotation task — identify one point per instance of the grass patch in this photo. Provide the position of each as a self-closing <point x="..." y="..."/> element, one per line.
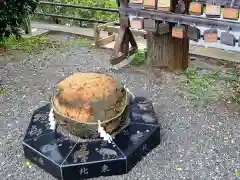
<point x="203" y="86"/>
<point x="80" y="41"/>
<point x="38" y="43"/>
<point x="234" y="81"/>
<point x="3" y="91"/>
<point x="34" y="43"/>
<point x="139" y="58"/>
<point x="206" y="86"/>
<point x="236" y="98"/>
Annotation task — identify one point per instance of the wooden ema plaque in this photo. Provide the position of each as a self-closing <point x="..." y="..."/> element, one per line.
<point x="178" y="32"/>
<point x="136" y="23"/>
<point x="149" y="25"/>
<point x="193" y="33"/>
<point x="163" y="28"/>
<point x="210" y="35"/>
<point x="230" y="13"/>
<point x="136" y="1"/>
<point x="164" y="5"/>
<point x="149" y="4"/>
<point x="213" y="10"/>
<point x="227" y="39"/>
<point x="239" y="41"/>
<point x="180" y="7"/>
<point x="195" y="8"/>
<point x="164" y="8"/>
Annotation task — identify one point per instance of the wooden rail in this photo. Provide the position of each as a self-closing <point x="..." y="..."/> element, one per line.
<point x="111" y="29"/>
<point x="214" y="53"/>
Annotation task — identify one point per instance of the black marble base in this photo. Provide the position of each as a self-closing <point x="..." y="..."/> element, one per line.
<point x="65" y="158"/>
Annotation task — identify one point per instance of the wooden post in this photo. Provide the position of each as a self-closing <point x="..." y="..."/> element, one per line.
<point x="166" y="51"/>
<point x="110" y="33"/>
<point x="96" y="35"/>
<point x="124" y="37"/>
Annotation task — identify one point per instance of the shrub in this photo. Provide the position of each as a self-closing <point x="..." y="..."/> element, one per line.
<point x="80" y="13"/>
<point x="12" y="15"/>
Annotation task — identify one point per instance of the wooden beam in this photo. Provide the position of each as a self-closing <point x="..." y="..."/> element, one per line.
<point x="106" y="40"/>
<point x="123" y="56"/>
<point x="102" y="27"/>
<point x="135" y="32"/>
<point x="125" y="37"/>
<point x="118" y="42"/>
<point x="182" y="18"/>
<point x="131" y="39"/>
<point x="96" y="35"/>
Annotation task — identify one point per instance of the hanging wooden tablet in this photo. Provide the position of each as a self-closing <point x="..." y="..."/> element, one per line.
<point x="149" y="4"/>
<point x="163" y="28"/>
<point x="195" y="8"/>
<point x="136" y="1"/>
<point x="228" y="39"/>
<point x="180" y="7"/>
<point x="213" y="11"/>
<point x="210" y="35"/>
<point x="149" y="25"/>
<point x="230" y="13"/>
<point x="178" y="31"/>
<point x="136" y="23"/>
<point x="164" y="5"/>
<point x="136" y="4"/>
<point x="193" y="33"/>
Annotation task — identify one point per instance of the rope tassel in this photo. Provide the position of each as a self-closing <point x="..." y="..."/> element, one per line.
<point x="52" y="121"/>
<point x="103" y="134"/>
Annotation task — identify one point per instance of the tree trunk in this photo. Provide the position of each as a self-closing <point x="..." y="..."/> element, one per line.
<point x="164" y="51"/>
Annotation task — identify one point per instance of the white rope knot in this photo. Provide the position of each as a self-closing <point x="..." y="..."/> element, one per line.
<point x="103" y="134"/>
<point x="52" y="121"/>
<point x="132" y="95"/>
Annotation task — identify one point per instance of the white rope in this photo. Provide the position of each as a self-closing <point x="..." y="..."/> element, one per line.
<point x="52" y="121"/>
<point x="132" y="95"/>
<point x="103" y="134"/>
<point x="101" y="131"/>
<point x="232" y="3"/>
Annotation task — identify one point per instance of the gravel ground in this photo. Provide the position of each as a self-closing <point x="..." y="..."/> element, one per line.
<point x="204" y="143"/>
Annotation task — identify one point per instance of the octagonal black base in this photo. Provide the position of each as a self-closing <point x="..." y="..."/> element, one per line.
<point x="66" y="158"/>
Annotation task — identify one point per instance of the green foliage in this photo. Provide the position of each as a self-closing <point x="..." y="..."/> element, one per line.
<point x="12" y="15"/>
<point x="139" y="58"/>
<point x="2" y="91"/>
<point x="202" y="86"/>
<point x="198" y="83"/>
<point x="233" y="75"/>
<point x="236" y="98"/>
<point x="205" y="86"/>
<point x="234" y="80"/>
<point x="82" y="13"/>
<point x="37" y="43"/>
<point x="238" y="173"/>
<point x="34" y="43"/>
<point x="79" y="41"/>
